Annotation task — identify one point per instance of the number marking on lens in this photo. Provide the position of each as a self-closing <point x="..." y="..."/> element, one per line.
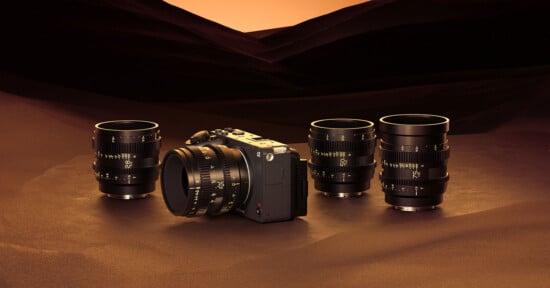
<point x="343" y="162"/>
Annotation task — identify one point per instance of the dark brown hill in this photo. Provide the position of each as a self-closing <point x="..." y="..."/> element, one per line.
<point x="142" y="49"/>
<point x="397" y="53"/>
<point x="387" y="44"/>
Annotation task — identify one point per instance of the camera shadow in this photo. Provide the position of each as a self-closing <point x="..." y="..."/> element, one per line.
<point x="236" y="230"/>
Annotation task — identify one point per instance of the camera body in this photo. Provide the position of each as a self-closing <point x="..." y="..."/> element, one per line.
<point x="278" y="177"/>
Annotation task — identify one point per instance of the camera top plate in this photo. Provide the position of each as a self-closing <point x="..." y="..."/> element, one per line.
<point x="250" y="139"/>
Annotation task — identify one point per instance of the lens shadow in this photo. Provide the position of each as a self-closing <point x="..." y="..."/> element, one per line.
<point x="128" y="211"/>
<point x="394" y="216"/>
<point x="340" y="209"/>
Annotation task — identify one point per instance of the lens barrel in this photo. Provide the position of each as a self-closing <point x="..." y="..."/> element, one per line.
<point x="413" y="154"/>
<point x="209" y="179"/>
<point x="126" y="161"/>
<point x="342" y="155"/>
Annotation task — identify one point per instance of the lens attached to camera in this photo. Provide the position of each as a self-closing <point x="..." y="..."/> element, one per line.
<point x="126" y="161"/>
<point x="413" y="153"/>
<point x="342" y="155"/>
<point x="210" y="179"/>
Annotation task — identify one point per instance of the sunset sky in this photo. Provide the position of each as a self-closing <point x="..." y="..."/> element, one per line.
<point x="253" y="15"/>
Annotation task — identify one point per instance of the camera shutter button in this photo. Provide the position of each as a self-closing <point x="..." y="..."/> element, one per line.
<point x="237" y="132"/>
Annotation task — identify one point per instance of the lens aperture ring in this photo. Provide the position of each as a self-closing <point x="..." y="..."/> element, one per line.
<point x="430" y="189"/>
<point x="403" y="188"/>
<point x="339" y="173"/>
<point x="138" y="176"/>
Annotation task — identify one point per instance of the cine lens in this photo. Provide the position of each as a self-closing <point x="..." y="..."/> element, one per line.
<point x="210" y="179"/>
<point x="342" y="155"/>
<point x="413" y="153"/>
<point x="126" y="161"/>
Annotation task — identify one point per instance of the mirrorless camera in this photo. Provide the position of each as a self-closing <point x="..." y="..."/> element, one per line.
<point x="231" y="170"/>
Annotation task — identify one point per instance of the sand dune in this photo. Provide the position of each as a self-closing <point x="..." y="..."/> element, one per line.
<point x="403" y="39"/>
<point x="379" y="16"/>
<point x="132" y="49"/>
<point x="149" y="50"/>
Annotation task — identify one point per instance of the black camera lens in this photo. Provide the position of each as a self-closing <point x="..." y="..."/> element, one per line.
<point x="126" y="157"/>
<point x="342" y="155"/>
<point x="413" y="153"/>
<point x="210" y="179"/>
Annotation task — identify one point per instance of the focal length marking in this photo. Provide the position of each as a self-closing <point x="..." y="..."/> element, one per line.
<point x="121" y="156"/>
<point x="399" y="165"/>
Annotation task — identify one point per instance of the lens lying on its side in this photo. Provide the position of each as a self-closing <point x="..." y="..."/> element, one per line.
<point x="127" y="157"/>
<point x="342" y="155"/>
<point x="198" y="180"/>
<point x="413" y="153"/>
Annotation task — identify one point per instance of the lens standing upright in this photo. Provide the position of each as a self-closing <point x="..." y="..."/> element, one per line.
<point x="342" y="156"/>
<point x="126" y="161"/>
<point x="413" y="153"/>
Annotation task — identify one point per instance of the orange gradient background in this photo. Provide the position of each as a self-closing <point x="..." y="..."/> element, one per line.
<point x="254" y="15"/>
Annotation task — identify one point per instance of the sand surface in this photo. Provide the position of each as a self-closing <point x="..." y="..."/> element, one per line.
<point x="58" y="230"/>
